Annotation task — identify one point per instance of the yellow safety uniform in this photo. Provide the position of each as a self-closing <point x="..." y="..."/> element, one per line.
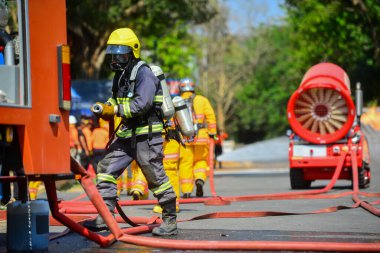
<point x="193" y="163"/>
<point x="139" y="182"/>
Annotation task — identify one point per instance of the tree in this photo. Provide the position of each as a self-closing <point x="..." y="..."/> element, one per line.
<point x="91" y="22"/>
<point x="225" y="64"/>
<point x="262" y="102"/>
<point x="343" y="32"/>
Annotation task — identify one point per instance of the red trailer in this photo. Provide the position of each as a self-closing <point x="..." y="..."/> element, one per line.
<point x="325" y="124"/>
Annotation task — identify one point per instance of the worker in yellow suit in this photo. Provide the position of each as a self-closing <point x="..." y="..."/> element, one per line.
<point x="193" y="164"/>
<point x="139" y="185"/>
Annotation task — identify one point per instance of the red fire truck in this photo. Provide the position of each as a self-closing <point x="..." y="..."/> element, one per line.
<point x="35" y="89"/>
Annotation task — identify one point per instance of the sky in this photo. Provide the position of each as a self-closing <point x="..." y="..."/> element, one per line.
<point x="248" y="13"/>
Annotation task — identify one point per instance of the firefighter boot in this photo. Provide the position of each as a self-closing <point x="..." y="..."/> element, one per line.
<point x="169" y="220"/>
<point x="98" y="224"/>
<point x="136" y="195"/>
<point x="199" y="183"/>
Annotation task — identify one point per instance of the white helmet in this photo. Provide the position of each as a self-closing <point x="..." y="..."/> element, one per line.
<point x="186" y="84"/>
<point x="72" y="119"/>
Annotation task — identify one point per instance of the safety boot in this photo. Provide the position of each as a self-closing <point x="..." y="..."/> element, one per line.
<point x="199" y="184"/>
<point x="169" y="220"/>
<point x="98" y="224"/>
<point x="186" y="195"/>
<point x="136" y="195"/>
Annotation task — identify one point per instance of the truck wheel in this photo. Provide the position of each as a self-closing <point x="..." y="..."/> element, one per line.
<point x="364" y="176"/>
<point x="297" y="180"/>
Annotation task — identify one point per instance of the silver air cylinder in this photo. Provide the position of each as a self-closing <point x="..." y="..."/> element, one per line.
<point x="359" y="100"/>
<point x="9" y="54"/>
<point x="183" y="116"/>
<point x="167" y="104"/>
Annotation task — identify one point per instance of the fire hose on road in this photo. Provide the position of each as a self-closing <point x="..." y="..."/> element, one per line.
<point x="128" y="235"/>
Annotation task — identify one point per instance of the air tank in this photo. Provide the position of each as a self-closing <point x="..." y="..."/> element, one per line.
<point x="183" y="116"/>
<point x="167" y="104"/>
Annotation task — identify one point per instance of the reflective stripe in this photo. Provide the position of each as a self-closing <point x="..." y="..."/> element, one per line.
<point x="211" y="125"/>
<point x="112" y="101"/>
<point x="105" y="178"/>
<point x="123" y="100"/>
<point x="162" y="188"/>
<point x="200" y="116"/>
<point x="201" y="140"/>
<point x="158" y="99"/>
<point x="200" y="170"/>
<point x="127" y="110"/>
<point x="188" y="181"/>
<point x="140" y="182"/>
<point x="171" y="156"/>
<point x="157" y="128"/>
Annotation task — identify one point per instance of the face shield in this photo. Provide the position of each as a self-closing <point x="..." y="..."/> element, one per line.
<point x="118" y="49"/>
<point x="120" y="56"/>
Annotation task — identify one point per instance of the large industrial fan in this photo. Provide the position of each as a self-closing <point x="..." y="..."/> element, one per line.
<point x="322" y="115"/>
<point x="321" y="110"/>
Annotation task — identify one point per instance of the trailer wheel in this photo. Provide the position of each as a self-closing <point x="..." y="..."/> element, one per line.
<point x="297" y="180"/>
<point x="364" y="176"/>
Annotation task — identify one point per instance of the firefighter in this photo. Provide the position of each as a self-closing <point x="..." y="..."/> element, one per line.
<point x="75" y="149"/>
<point x="85" y="141"/>
<point x="138" y="138"/>
<point x="171" y="160"/>
<point x="193" y="165"/>
<point x="100" y="137"/>
<point x="139" y="186"/>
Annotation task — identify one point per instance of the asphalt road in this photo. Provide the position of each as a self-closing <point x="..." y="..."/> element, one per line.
<point x="351" y="225"/>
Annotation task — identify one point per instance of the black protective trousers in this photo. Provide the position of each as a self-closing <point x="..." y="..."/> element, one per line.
<point x="148" y="154"/>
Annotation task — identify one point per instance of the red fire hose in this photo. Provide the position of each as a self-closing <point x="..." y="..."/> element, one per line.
<point x="123" y="235"/>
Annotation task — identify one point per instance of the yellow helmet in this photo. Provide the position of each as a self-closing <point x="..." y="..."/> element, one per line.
<point x="121" y="39"/>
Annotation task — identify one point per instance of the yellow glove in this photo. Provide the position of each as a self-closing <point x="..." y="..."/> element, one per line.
<point x="104" y="111"/>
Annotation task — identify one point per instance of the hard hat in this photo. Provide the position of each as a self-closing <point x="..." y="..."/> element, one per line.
<point x="186" y="84"/>
<point x="72" y="119"/>
<point x="122" y="41"/>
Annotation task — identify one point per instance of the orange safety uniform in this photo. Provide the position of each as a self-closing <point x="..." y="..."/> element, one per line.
<point x="88" y="135"/>
<point x="74" y="139"/>
<point x="193" y="162"/>
<point x="100" y="137"/>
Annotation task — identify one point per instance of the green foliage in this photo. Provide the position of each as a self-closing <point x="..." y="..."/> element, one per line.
<point x="264" y="66"/>
<point x="173" y="51"/>
<point x="156" y="23"/>
<point x="342" y="32"/>
<point x="263" y="100"/>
